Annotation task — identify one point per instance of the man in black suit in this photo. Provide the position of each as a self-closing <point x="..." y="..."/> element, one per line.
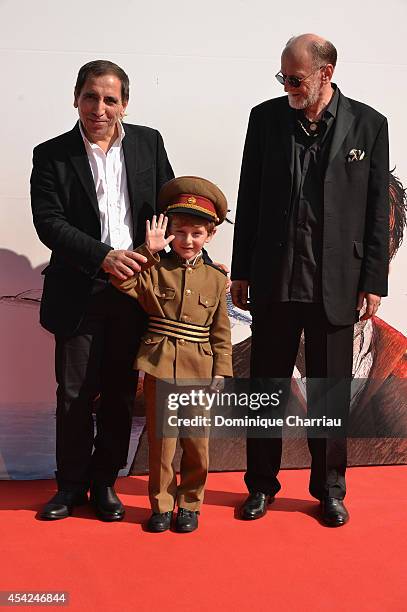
<point x="311" y="242"/>
<point x="92" y="190"/>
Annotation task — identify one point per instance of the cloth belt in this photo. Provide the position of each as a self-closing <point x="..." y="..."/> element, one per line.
<point x="178" y="329"/>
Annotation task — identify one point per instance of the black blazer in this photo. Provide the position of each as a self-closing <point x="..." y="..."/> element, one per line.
<point x="66" y="215"/>
<point x="356" y="205"/>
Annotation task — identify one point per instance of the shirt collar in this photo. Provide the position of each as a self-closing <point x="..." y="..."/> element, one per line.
<point x="332" y="107"/>
<point x="330" y="110"/>
<point x="194" y="261"/>
<point x="93" y="145"/>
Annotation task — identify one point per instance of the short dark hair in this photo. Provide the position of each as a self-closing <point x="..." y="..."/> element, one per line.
<point x="323" y="53"/>
<point x="398" y="213"/>
<point x="101" y="68"/>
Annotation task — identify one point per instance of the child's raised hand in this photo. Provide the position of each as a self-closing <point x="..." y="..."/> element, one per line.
<point x="155" y="234"/>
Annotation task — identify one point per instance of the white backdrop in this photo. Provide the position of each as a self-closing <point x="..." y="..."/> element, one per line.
<point x="195" y="69"/>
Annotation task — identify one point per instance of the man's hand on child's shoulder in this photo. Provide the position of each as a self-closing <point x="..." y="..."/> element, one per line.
<point x="226" y="270"/>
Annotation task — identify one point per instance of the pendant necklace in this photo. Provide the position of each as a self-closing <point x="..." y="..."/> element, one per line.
<point x="313" y="127"/>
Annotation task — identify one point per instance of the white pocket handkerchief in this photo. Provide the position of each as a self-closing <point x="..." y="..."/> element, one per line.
<point x="355" y="155"/>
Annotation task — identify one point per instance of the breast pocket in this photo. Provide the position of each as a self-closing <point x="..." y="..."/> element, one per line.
<point x="356" y="168"/>
<point x="207" y="300"/>
<point x="165" y="293"/>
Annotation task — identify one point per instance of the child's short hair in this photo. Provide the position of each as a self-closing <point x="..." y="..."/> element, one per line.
<point x="188" y="219"/>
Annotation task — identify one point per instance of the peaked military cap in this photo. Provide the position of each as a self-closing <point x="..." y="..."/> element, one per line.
<point x="195" y="196"/>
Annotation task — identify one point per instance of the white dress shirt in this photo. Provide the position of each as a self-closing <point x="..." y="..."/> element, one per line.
<point x="110" y="178"/>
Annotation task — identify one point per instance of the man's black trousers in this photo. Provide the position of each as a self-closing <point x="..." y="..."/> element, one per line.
<point x="94" y="367"/>
<point x="276" y="334"/>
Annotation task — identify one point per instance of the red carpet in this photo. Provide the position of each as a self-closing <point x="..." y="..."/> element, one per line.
<point x="285" y="561"/>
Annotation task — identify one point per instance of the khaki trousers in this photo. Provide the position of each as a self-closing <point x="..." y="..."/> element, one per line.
<point x="164" y="493"/>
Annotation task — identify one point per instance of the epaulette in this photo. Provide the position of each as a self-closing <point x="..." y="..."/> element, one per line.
<point x="212" y="265"/>
<point x="208" y="261"/>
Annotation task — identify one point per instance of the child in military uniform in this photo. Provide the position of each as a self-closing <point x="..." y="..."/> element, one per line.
<point x="188" y="335"/>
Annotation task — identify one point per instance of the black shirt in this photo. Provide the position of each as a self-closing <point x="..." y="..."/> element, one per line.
<point x="301" y="279"/>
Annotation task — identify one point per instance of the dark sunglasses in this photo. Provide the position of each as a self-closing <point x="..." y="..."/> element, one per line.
<point x="294" y="81"/>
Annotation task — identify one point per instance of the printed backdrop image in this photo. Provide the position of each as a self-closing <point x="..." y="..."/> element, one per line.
<point x="195" y="72"/>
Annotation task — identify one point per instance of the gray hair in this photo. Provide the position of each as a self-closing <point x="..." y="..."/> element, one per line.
<point x="322" y="52"/>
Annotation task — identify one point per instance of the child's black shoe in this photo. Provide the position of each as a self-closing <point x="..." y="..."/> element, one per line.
<point x="159" y="521"/>
<point x="187" y="520"/>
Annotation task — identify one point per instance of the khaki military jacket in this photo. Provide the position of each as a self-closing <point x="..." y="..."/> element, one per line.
<point x="193" y="294"/>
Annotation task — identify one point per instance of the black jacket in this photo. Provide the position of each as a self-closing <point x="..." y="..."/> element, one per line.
<point x="66" y="215"/>
<point x="356" y="205"/>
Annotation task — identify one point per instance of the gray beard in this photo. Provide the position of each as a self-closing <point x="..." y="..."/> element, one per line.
<point x="304" y="103"/>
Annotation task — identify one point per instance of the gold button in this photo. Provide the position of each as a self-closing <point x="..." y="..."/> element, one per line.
<point x="206" y="301"/>
<point x="182" y="341"/>
<point x="191" y="200"/>
<point x="163" y="295"/>
<point x="185" y="318"/>
<point x="189" y="269"/>
<point x="148" y="340"/>
<point x="188" y="292"/>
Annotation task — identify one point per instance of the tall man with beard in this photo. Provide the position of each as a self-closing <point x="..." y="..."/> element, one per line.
<point x="311" y="244"/>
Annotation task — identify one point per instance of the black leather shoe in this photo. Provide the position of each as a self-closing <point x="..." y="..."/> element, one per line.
<point x="333" y="512"/>
<point x="62" y="504"/>
<point x="108" y="506"/>
<point x="159" y="521"/>
<point x="255" y="506"/>
<point x="187" y="520"/>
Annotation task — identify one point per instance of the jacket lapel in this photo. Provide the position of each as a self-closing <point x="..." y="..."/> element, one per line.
<point x="287" y="136"/>
<point x="343" y="123"/>
<point x="79" y="159"/>
<point x="130" y="157"/>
